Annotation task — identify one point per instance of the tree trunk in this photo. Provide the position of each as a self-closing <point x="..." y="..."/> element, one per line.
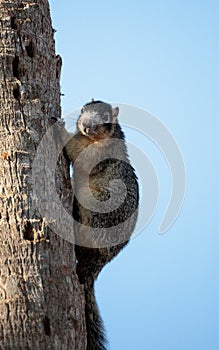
<point x="41" y="300"/>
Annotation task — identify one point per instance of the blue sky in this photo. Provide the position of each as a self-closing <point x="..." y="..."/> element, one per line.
<point x="161" y="292"/>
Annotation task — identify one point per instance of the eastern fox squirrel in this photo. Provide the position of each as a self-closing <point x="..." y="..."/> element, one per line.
<point x="100" y="235"/>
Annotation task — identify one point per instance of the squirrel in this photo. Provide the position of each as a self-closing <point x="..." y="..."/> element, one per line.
<point x="99" y="156"/>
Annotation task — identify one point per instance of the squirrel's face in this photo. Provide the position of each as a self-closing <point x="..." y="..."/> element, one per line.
<point x="97" y="120"/>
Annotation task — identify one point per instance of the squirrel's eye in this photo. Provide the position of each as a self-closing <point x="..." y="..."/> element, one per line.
<point x="106" y="118"/>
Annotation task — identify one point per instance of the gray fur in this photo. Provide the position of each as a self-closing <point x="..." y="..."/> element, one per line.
<point x="98" y="122"/>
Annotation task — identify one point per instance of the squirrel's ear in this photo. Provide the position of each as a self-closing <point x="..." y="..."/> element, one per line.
<point x="115" y="113"/>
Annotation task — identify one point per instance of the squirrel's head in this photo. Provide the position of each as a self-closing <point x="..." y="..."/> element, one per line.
<point x="97" y="120"/>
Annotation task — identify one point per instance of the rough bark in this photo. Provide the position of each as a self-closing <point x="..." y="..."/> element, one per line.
<point x="41" y="301"/>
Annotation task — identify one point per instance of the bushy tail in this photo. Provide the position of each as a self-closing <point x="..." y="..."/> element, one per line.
<point x="95" y="330"/>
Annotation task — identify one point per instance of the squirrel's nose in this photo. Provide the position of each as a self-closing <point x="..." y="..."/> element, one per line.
<point x="86" y="125"/>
